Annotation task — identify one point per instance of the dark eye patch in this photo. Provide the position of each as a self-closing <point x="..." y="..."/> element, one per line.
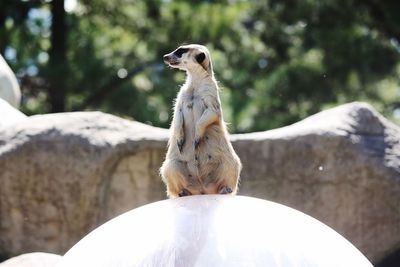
<point x="180" y="51"/>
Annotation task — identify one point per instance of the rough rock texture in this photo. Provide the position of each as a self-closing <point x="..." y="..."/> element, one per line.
<point x="35" y="259"/>
<point x="9" y="115"/>
<point x="64" y="174"/>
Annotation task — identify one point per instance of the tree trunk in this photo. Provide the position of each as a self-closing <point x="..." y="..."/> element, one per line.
<point x="57" y="53"/>
<point x="3" y="30"/>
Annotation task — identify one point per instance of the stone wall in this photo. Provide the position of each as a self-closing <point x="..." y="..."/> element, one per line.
<point x="64" y="174"/>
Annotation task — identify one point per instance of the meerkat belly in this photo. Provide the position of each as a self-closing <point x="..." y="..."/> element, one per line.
<point x="192" y="111"/>
<point x="194" y="108"/>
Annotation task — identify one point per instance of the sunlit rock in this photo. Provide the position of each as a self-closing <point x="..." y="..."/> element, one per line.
<point x="35" y="259"/>
<point x="9" y="88"/>
<point x="214" y="230"/>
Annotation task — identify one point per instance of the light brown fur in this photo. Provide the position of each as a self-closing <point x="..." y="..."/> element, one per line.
<point x="200" y="157"/>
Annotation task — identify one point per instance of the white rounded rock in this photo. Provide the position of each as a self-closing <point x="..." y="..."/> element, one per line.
<point x="34" y="259"/>
<point x="214" y="230"/>
<point x="9" y="88"/>
<point x="9" y="115"/>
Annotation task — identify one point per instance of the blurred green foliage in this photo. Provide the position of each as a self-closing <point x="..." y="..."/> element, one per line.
<point x="276" y="61"/>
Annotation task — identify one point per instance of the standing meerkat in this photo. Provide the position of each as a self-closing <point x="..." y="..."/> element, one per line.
<point x="200" y="157"/>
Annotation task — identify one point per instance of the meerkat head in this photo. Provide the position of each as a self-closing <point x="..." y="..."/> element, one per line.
<point x="191" y="58"/>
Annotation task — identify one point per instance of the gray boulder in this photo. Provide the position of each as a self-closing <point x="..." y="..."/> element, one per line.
<point x="64" y="174"/>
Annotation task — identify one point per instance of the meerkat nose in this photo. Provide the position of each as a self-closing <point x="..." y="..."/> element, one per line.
<point x="166" y="58"/>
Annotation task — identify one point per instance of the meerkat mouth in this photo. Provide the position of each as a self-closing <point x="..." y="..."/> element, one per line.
<point x="171" y="62"/>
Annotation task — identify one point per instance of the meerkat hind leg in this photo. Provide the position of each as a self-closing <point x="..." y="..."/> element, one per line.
<point x="221" y="180"/>
<point x="176" y="176"/>
<point x="228" y="184"/>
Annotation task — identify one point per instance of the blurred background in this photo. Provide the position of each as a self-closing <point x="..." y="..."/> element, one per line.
<point x="276" y="61"/>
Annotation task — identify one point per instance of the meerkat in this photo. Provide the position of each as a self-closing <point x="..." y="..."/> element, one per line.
<point x="200" y="158"/>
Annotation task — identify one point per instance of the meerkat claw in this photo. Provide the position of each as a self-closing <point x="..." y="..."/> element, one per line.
<point x="225" y="190"/>
<point x="197" y="143"/>
<point x="180" y="144"/>
<point x="184" y="193"/>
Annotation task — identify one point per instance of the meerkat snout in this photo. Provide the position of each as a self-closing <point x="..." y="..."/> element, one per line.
<point x="166" y="58"/>
<point x="174" y="58"/>
<point x="170" y="59"/>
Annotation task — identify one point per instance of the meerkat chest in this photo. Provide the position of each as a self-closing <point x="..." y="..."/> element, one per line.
<point x="193" y="103"/>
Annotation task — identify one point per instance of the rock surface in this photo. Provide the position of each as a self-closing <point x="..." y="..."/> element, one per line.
<point x="35" y="259"/>
<point x="9" y="115"/>
<point x="64" y="174"/>
<point x="60" y="177"/>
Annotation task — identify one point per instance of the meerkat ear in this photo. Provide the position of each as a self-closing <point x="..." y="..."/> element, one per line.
<point x="200" y="58"/>
<point x="204" y="62"/>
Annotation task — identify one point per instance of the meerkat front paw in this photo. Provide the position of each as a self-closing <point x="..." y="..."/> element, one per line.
<point x="197" y="142"/>
<point x="225" y="190"/>
<point x="180" y="138"/>
<point x="180" y="143"/>
<point x="198" y="136"/>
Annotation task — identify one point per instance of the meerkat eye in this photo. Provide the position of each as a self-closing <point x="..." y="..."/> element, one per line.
<point x="200" y="57"/>
<point x="180" y="51"/>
